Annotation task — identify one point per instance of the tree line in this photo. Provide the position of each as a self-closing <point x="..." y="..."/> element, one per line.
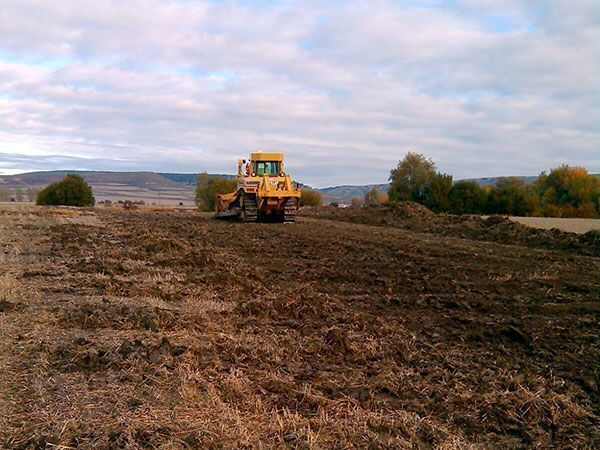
<point x="563" y="192"/>
<point x="18" y="194"/>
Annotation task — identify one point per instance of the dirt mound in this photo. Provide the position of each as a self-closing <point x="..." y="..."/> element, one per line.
<point x="592" y="240"/>
<point x="415" y="217"/>
<point x="412" y="210"/>
<point x="407" y="215"/>
<point x="505" y="231"/>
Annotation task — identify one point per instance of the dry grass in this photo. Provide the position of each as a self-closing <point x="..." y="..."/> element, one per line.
<point x="170" y="331"/>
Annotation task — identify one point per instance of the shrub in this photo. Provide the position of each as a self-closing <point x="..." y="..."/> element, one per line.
<point x="511" y="196"/>
<point x="356" y="201"/>
<point x="466" y="197"/>
<point x="375" y="197"/>
<point x="310" y="197"/>
<point x="586" y="210"/>
<point x="569" y="190"/>
<point x="438" y="191"/>
<point x="72" y="190"/>
<point x="207" y="189"/>
<point x="334" y="204"/>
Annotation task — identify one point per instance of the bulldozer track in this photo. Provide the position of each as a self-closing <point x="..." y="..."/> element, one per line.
<point x="289" y="214"/>
<point x="249" y="209"/>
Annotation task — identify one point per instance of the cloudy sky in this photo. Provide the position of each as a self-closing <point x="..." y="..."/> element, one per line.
<point x="345" y="88"/>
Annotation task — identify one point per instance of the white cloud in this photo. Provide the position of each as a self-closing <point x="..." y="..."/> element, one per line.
<point x="344" y="88"/>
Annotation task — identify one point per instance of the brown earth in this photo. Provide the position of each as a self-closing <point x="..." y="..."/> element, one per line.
<point x="168" y="329"/>
<point x="415" y="217"/>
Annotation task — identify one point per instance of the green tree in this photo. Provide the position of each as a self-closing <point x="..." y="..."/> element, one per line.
<point x="512" y="196"/>
<point x="208" y="187"/>
<point x="375" y="197"/>
<point x="438" y="191"/>
<point x="72" y="190"/>
<point x="466" y="197"/>
<point x="310" y="197"/>
<point x="411" y="178"/>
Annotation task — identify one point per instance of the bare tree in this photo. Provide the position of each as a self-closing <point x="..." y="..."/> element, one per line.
<point x="4" y="195"/>
<point x="19" y="194"/>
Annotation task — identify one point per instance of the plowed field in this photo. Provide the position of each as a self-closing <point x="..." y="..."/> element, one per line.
<point x="171" y="330"/>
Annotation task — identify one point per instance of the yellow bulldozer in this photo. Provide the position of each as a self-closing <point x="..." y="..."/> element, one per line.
<point x="264" y="191"/>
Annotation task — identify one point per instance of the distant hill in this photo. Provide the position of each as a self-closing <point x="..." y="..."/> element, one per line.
<point x="190" y="178"/>
<point x="140" y="179"/>
<point x="492" y="181"/>
<point x="148" y="180"/>
<point x="149" y="187"/>
<point x="344" y="194"/>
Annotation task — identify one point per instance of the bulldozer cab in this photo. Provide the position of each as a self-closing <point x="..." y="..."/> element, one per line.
<point x="270" y="164"/>
<point x="270" y="168"/>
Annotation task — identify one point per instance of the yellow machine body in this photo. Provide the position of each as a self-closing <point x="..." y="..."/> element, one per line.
<point x="264" y="191"/>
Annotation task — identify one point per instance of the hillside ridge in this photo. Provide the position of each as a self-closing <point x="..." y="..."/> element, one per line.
<point x="147" y="180"/>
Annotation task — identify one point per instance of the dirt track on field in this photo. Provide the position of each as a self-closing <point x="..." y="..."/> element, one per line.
<point x="570" y="225"/>
<point x="168" y="329"/>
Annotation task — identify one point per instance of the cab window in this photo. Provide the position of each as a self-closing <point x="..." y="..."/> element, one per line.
<point x="267" y="168"/>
